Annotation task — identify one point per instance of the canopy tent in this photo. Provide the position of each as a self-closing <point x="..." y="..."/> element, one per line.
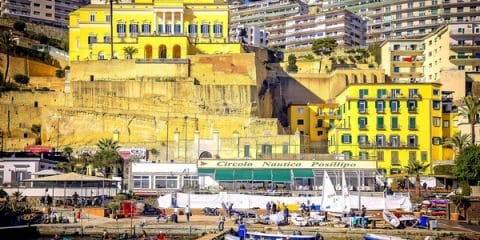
<point x="74" y="182"/>
<point x="71" y="177"/>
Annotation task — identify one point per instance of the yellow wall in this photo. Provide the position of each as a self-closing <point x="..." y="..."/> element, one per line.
<point x="310" y="114"/>
<point x="82" y="25"/>
<point x="425" y="129"/>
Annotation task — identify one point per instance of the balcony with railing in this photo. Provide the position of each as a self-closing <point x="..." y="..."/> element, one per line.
<point x="466" y="45"/>
<point x="465" y="59"/>
<point x="388" y="145"/>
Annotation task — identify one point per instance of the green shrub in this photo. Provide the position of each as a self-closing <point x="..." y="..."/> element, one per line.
<point x="60" y="73"/>
<point x="19" y="26"/>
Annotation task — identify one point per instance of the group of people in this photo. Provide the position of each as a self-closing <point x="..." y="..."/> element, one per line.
<point x="363" y="220"/>
<point x="273" y="208"/>
<point x="143" y="236"/>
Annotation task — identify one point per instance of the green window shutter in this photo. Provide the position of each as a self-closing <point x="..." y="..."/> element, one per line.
<point x="411" y="122"/>
<point x="394" y="122"/>
<point x="379" y="122"/>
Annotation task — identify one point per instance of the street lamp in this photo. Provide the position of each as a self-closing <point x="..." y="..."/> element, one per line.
<point x="187" y="170"/>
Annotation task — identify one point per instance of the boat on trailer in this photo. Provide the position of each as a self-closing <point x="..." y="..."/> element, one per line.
<point x="274" y="236"/>
<point x="381" y="237"/>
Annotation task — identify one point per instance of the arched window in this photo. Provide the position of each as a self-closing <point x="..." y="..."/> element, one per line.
<point x="177" y="51"/>
<point x="205" y="154"/>
<point x="374" y="78"/>
<point x="355" y="79"/>
<point x="162" y="51"/>
<point x="148" y="51"/>
<point x="101" y="56"/>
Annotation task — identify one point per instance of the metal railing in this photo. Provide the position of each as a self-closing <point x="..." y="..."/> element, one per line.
<point x="163" y="60"/>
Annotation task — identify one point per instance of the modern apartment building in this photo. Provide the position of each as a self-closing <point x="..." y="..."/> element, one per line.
<point x="157" y="30"/>
<point x="50" y="12"/>
<point x="452" y="47"/>
<point x="390" y="123"/>
<point x="312" y="121"/>
<point x="258" y="13"/>
<point x="399" y="19"/>
<point x="301" y="30"/>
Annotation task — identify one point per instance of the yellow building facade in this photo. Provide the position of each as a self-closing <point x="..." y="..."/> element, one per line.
<point x="157" y="29"/>
<point x="390" y="123"/>
<point x="313" y="122"/>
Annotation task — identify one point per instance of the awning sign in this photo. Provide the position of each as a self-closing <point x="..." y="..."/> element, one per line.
<point x="286" y="164"/>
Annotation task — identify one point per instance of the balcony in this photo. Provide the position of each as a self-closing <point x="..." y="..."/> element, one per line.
<point x="388" y="145"/>
<point x="465" y="47"/>
<point x="468" y="32"/>
<point x="465" y="60"/>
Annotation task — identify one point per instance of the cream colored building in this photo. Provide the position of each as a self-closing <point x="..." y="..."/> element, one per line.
<point x="454" y="47"/>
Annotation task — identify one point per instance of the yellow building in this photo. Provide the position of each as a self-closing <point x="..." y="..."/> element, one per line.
<point x="156" y="29"/>
<point x="312" y="121"/>
<point x="390" y="123"/>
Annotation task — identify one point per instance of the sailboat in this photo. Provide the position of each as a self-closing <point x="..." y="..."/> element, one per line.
<point x="329" y="195"/>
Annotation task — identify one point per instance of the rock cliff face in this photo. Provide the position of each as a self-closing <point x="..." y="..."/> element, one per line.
<point x="146" y="103"/>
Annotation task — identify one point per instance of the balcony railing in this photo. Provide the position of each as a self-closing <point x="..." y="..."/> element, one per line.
<point x="163" y="60"/>
<point x="388" y="145"/>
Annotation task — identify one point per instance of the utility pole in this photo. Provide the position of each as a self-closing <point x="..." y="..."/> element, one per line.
<point x="185" y="129"/>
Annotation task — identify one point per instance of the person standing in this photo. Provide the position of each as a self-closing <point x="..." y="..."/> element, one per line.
<point x="188" y="212"/>
<point x="221" y="222"/>
<point x="363" y="216"/>
<point x="274" y="208"/>
<point x="285" y="214"/>
<point x="267" y="207"/>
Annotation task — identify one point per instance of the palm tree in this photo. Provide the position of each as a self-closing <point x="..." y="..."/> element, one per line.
<point x="470" y="110"/>
<point x="416" y="168"/>
<point x="7" y="45"/>
<point x="16" y="196"/>
<point x="106" y="158"/>
<point x="107" y="144"/>
<point x="130" y="51"/>
<point x="458" y="141"/>
<point x="68" y="152"/>
<point x="111" y="25"/>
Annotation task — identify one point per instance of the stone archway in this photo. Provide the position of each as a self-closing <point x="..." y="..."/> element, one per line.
<point x="148" y="51"/>
<point x="177" y="52"/>
<point x="162" y="51"/>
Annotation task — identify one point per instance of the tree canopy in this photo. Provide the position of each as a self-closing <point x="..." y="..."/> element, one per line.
<point x="467" y="164"/>
<point x="292" y="63"/>
<point x="324" y="46"/>
<point x="106" y="159"/>
<point x="470" y="110"/>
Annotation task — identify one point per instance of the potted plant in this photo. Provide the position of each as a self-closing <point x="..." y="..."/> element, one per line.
<point x="459" y="200"/>
<point x="113" y="206"/>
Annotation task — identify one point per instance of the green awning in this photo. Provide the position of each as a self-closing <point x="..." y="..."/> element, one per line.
<point x="224" y="175"/>
<point x="303" y="173"/>
<point x="262" y="175"/>
<point x="243" y="174"/>
<point x="206" y="171"/>
<point x="281" y="175"/>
